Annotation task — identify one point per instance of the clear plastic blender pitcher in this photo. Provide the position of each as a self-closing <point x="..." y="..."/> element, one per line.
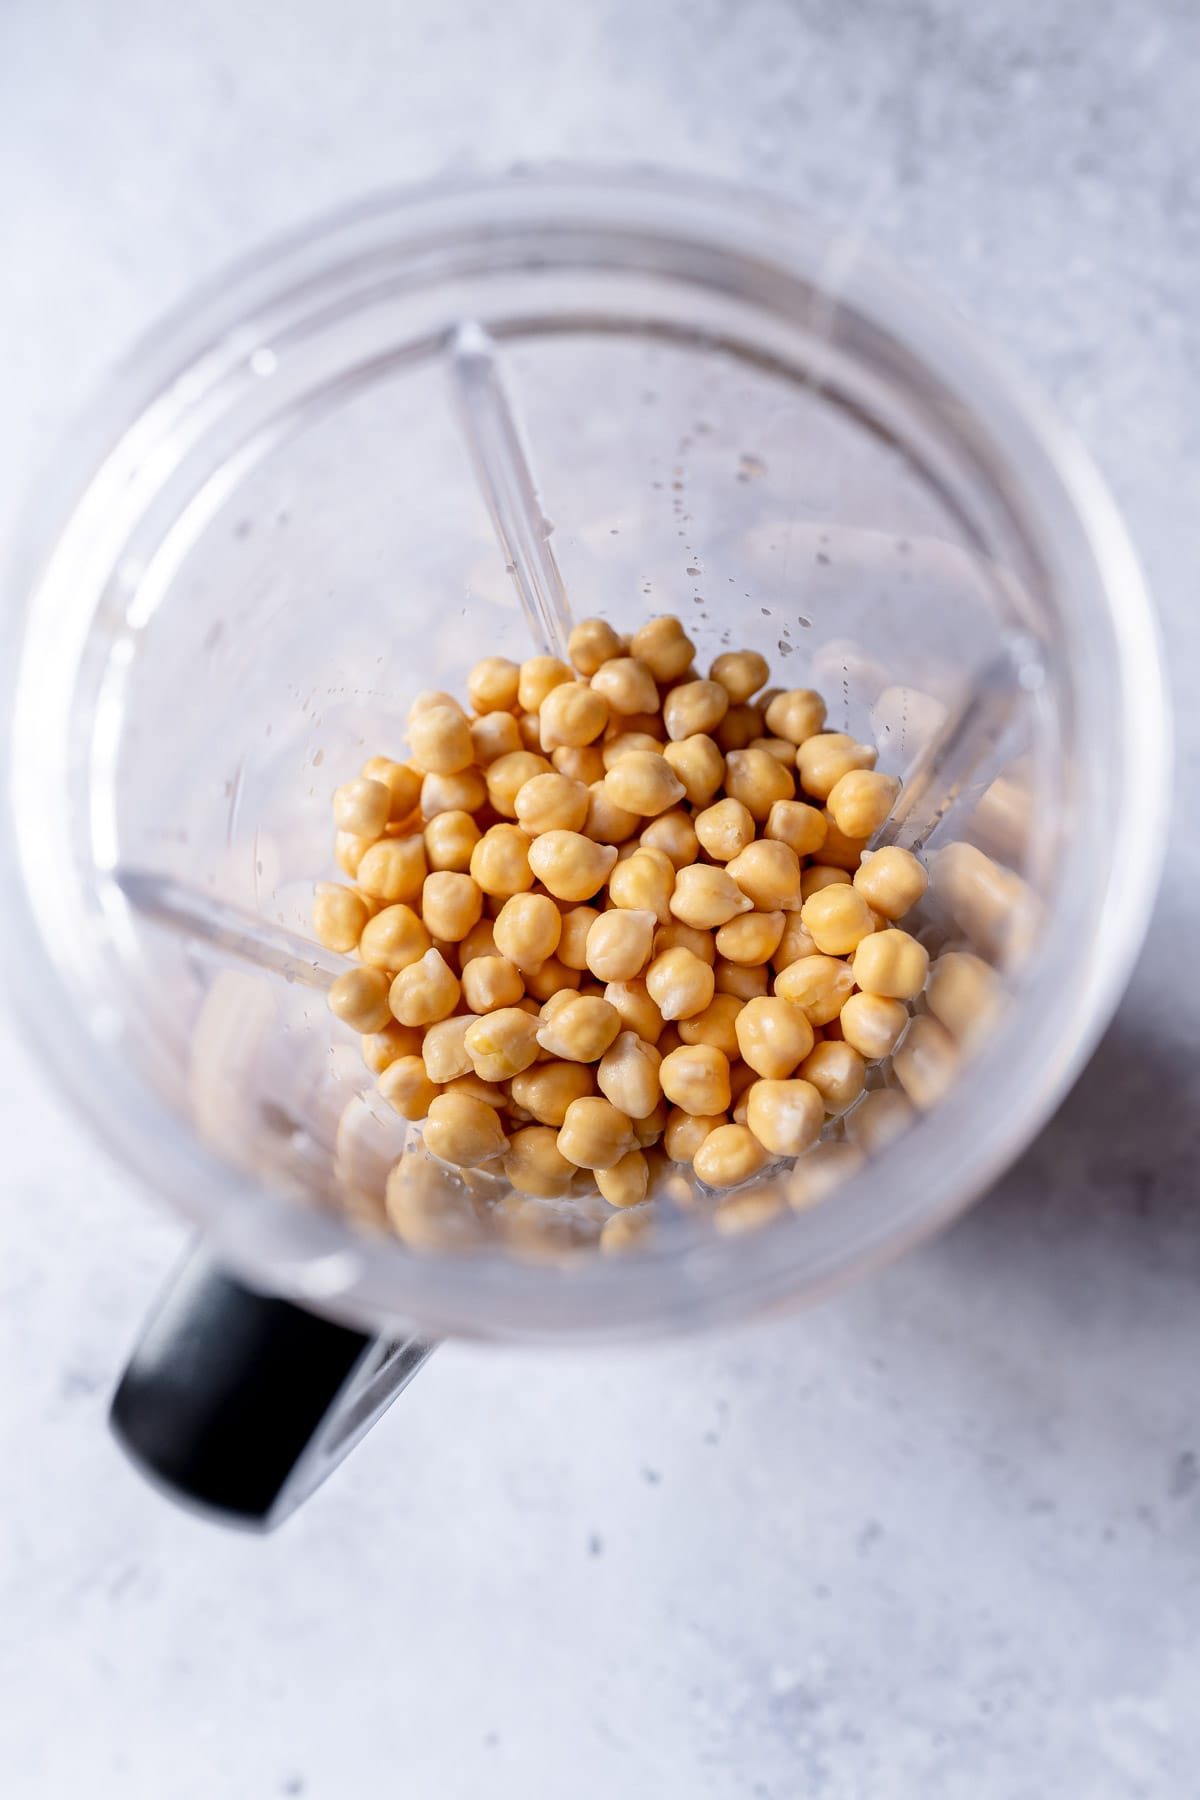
<point x="308" y="496"/>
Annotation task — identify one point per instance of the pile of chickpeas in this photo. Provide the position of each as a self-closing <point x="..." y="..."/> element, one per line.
<point x="614" y="913"/>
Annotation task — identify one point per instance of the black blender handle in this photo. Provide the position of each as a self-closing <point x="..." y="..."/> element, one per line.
<point x="243" y="1403"/>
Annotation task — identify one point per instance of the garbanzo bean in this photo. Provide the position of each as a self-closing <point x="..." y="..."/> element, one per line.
<point x="891" y="963"/>
<point x="795" y="823"/>
<point x="349" y="851"/>
<point x="823" y="760"/>
<point x="444" y="1051"/>
<point x="594" y="1134"/>
<point x="964" y="994"/>
<point x="359" y="998"/>
<point x="502" y="1043"/>
<point x="716" y="1025"/>
<point x="891" y="880"/>
<point x="795" y="942"/>
<point x="724" y="829"/>
<point x="773" y="1037"/>
<point x="500" y="862"/>
<point x="821" y="875"/>
<point x="393" y="939"/>
<point x="785" y="1116"/>
<point x="627" y="685"/>
<point x="752" y="938"/>
<point x="739" y="728"/>
<point x="741" y="673"/>
<point x="680" y="983"/>
<point x="758" y="780"/>
<point x="696" y="1077"/>
<point x="926" y="1061"/>
<point x="441" y="740"/>
<point x="777" y="747"/>
<point x="674" y="834"/>
<point x="878" y="1118"/>
<point x="479" y="941"/>
<point x="728" y="1156"/>
<point x="837" y="1072"/>
<point x="425" y="991"/>
<point x="362" y="807"/>
<point x="643" y="782"/>
<point x="700" y="766"/>
<point x="872" y="1024"/>
<point x="402" y="783"/>
<point x="527" y="930"/>
<point x="585" y="764"/>
<point x="464" y="792"/>
<point x="685" y="1132"/>
<point x="379" y="1048"/>
<point x="489" y="982"/>
<point x="796" y="715"/>
<point x="493" y="736"/>
<point x="625" y="743"/>
<point x="509" y="774"/>
<point x="428" y="698"/>
<point x="577" y="921"/>
<point x="591" y="643"/>
<point x="627" y="1182"/>
<point x="463" y="1131"/>
<point x="580" y="1029"/>
<point x="545" y="1090"/>
<point x="838" y="919"/>
<point x="819" y="1171"/>
<point x="619" y="943"/>
<point x="450" y="904"/>
<point x="743" y="981"/>
<point x="549" y="978"/>
<point x="644" y="883"/>
<point x="861" y="800"/>
<point x="694" y="708"/>
<point x="673" y="935"/>
<point x="704" y="897"/>
<point x="339" y="915"/>
<point x="637" y="1010"/>
<point x="664" y="646"/>
<point x="570" y="865"/>
<point x="819" y="985"/>
<point x="539" y="676"/>
<point x="768" y="873"/>
<point x="406" y="1086"/>
<point x="572" y="715"/>
<point x="628" y="1075"/>
<point x="551" y="802"/>
<point x="606" y="823"/>
<point x="492" y="684"/>
<point x="535" y="1165"/>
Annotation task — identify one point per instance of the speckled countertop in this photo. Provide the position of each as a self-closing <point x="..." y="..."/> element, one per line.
<point x="941" y="1537"/>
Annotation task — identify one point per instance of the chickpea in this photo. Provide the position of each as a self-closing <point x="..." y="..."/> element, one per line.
<point x="716" y="1025"/>
<point x="695" y="708"/>
<point x="627" y="686"/>
<point x="428" y="698"/>
<point x="527" y="930"/>
<point x="463" y="1131"/>
<point x="493" y="736"/>
<point x="838" y="918"/>
<point x="891" y="963"/>
<point x="861" y="800"/>
<point x="626" y="1183"/>
<point x="758" y="780"/>
<point x="795" y="823"/>
<point x="339" y="915"/>
<point x="674" y="936"/>
<point x="594" y="1134"/>
<point x="796" y="715"/>
<point x="785" y="1116"/>
<point x="680" y="983"/>
<point x="479" y="941"/>
<point x="500" y="862"/>
<point x="585" y="764"/>
<point x="964" y="994"/>
<point x="450" y="905"/>
<point x="668" y="1040"/>
<point x="837" y="1072"/>
<point x="546" y="1089"/>
<point x="580" y="1029"/>
<point x="795" y="942"/>
<point x="704" y="897"/>
<point x="362" y="807"/>
<point x="752" y="938"/>
<point x="619" y="944"/>
<point x="379" y="1048"/>
<point x="529" y="730"/>
<point x="625" y="1231"/>
<point x="359" y="998"/>
<point x="490" y="982"/>
<point x="538" y="677"/>
<point x="628" y="1075"/>
<point x="424" y="991"/>
<point x="509" y="774"/>
<point x="819" y="1171"/>
<point x="872" y="1024"/>
<point x="743" y="981"/>
<point x="441" y="740"/>
<point x="449" y="840"/>
<point x="644" y="883"/>
<point x="696" y="1077"/>
<point x="501" y="1044"/>
<point x="492" y="684"/>
<point x="674" y="834"/>
<point x="570" y="865"/>
<point x="891" y="881"/>
<point x="663" y="645"/>
<point x="405" y="1085"/>
<point x="551" y="977"/>
<point x="768" y="873"/>
<point x="606" y="823"/>
<point x="624" y="743"/>
<point x="878" y="1118"/>
<point x="700" y="766"/>
<point x="725" y="829"/>
<point x="643" y="782"/>
<point x="637" y="1010"/>
<point x="571" y="716"/>
<point x="444" y="1051"/>
<point x="577" y="921"/>
<point x="926" y="1061"/>
<point x="741" y="1079"/>
<point x="779" y="748"/>
<point x="838" y="850"/>
<point x="591" y="643"/>
<point x="819" y="876"/>
<point x="992" y="904"/>
<point x="823" y="760"/>
<point x="773" y="1036"/>
<point x="739" y="728"/>
<point x="349" y="851"/>
<point x="402" y="783"/>
<point x="728" y="1156"/>
<point x="393" y="939"/>
<point x="686" y="1132"/>
<point x="535" y="1165"/>
<point x="819" y="985"/>
<point x="741" y="673"/>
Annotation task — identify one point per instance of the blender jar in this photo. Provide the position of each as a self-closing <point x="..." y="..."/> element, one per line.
<point x="293" y="509"/>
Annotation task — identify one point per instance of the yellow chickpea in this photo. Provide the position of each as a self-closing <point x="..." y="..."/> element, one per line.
<point x="551" y="977"/>
<point x="861" y="800"/>
<point x="795" y="942"/>
<point x="891" y="881"/>
<point x="779" y="748"/>
<point x="606" y="823"/>
<point x="339" y="915"/>
<point x="637" y="1011"/>
<point x="502" y="1043"/>
<point x="577" y="921"/>
<point x="402" y="783"/>
<point x="694" y="708"/>
<point x="773" y="1037"/>
<point x="823" y="760"/>
<point x="539" y="676"/>
<point x="444" y="1051"/>
<point x="450" y="905"/>
<point x="490" y="982"/>
<point x="891" y="963"/>
<point x="428" y="698"/>
<point x="680" y="983"/>
<point x="964" y="995"/>
<point x="668" y="1040"/>
<point x="492" y="684"/>
<point x="715" y="1025"/>
<point x="926" y="1061"/>
<point x="625" y="743"/>
<point x="572" y="715"/>
<point x="819" y="1171"/>
<point x="795" y="823"/>
<point x="464" y="792"/>
<point x="535" y="1165"/>
<point x="878" y="1118"/>
<point x="674" y="936"/>
<point x="493" y="736"/>
<point x="838" y="919"/>
<point x="728" y="1156"/>
<point x="743" y="981"/>
<point x="796" y="715"/>
<point x="644" y="883"/>
<point x="739" y="728"/>
<point x="441" y="740"/>
<point x="592" y="643"/>
<point x="705" y="897"/>
<point x="628" y="1075"/>
<point x="349" y="851"/>
<point x="686" y="1132"/>
<point x="479" y="941"/>
<point x="819" y="985"/>
<point x="696" y="1077"/>
<point x="837" y="1071"/>
<point x="819" y="876"/>
<point x="674" y="834"/>
<point x="758" y="780"/>
<point x="580" y="1029"/>
<point x="700" y="766"/>
<point x="725" y="829"/>
<point x="838" y="850"/>
<point x="619" y="944"/>
<point x="594" y="1134"/>
<point x="425" y="991"/>
<point x="359" y="998"/>
<point x="500" y="862"/>
<point x="585" y="764"/>
<point x="509" y="774"/>
<point x="626" y="686"/>
<point x="570" y="865"/>
<point x="741" y="673"/>
<point x="872" y="1024"/>
<point x="545" y="1090"/>
<point x="991" y="903"/>
<point x="752" y="938"/>
<point x="643" y="782"/>
<point x="449" y="840"/>
<point x="405" y="1085"/>
<point x="785" y="1116"/>
<point x="393" y="939"/>
<point x="362" y="807"/>
<point x="768" y="873"/>
<point x="627" y="1182"/>
<point x="463" y="1131"/>
<point x="527" y="930"/>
